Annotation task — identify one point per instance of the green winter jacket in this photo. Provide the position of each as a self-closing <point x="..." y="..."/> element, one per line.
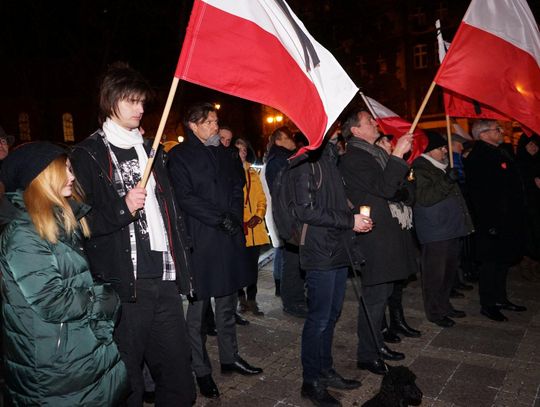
<point x="57" y="324"/>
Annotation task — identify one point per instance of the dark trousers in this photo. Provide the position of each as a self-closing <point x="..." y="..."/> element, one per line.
<point x="250" y="292"/>
<point x="375" y="297"/>
<point x="326" y="291"/>
<point x="440" y="261"/>
<point x="292" y="283"/>
<point x="226" y="332"/>
<point x="492" y="283"/>
<point x="153" y="330"/>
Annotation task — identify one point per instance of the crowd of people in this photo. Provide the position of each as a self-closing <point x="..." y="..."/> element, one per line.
<point x="96" y="260"/>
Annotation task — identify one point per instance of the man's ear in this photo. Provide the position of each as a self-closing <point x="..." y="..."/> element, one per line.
<point x="192" y="126"/>
<point x="355" y="130"/>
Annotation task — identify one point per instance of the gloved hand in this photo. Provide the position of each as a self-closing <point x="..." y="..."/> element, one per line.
<point x="452" y="175"/>
<point x="254" y="221"/>
<point x="229" y="224"/>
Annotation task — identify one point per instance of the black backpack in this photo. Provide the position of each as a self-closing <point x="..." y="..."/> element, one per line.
<point x="290" y="229"/>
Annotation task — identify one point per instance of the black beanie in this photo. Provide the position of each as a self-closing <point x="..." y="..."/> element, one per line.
<point x="26" y="162"/>
<point x="435" y="140"/>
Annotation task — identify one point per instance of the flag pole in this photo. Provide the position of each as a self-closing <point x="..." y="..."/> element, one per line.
<point x="449" y="133"/>
<point x="370" y="108"/>
<point x="422" y="107"/>
<point x="159" y="133"/>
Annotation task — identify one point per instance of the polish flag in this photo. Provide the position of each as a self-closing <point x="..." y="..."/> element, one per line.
<point x="259" y="50"/>
<point x="457" y="105"/>
<point x="495" y="59"/>
<point x="390" y="123"/>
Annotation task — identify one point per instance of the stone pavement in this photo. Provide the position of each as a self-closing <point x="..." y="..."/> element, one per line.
<point x="476" y="363"/>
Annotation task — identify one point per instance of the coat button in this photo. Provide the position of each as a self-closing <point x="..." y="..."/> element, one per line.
<point x="122" y="211"/>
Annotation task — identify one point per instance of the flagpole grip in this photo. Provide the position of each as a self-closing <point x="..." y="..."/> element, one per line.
<point x="159" y="133"/>
<point x="422" y="107"/>
<point x="449" y="134"/>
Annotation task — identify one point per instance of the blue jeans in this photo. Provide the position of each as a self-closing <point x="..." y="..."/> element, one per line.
<point x="326" y="291"/>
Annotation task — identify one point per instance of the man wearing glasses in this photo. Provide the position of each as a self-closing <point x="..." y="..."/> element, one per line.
<point x="497" y="201"/>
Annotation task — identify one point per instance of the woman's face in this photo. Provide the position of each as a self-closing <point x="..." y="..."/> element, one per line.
<point x="67" y="190"/>
<point x="242" y="152"/>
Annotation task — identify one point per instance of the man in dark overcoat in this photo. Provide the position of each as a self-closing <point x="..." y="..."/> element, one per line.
<point x="372" y="178"/>
<point x="210" y="192"/>
<point x="498" y="207"/>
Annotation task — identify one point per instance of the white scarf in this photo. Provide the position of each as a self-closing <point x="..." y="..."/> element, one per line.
<point x="125" y="139"/>
<point x="438" y="164"/>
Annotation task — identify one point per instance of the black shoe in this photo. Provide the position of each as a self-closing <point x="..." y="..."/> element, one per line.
<point x="389" y="354"/>
<point x="456" y="294"/>
<point x="444" y="322"/>
<point x="298" y="311"/>
<point x="390" y="337"/>
<point x="507" y="305"/>
<point x="240" y="320"/>
<point x="493" y="312"/>
<point x="211" y="331"/>
<point x="375" y="366"/>
<point x="240" y="366"/>
<point x="318" y="394"/>
<point x="465" y="287"/>
<point x="398" y="324"/>
<point x="208" y="387"/>
<point x="455" y="313"/>
<point x="333" y="379"/>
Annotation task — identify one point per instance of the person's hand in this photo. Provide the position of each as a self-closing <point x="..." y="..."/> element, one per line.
<point x="135" y="199"/>
<point x="362" y="223"/>
<point x="403" y="145"/>
<point x="229" y="224"/>
<point x="254" y="221"/>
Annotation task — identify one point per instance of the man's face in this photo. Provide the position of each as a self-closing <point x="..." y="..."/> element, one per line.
<point x="367" y="128"/>
<point x="225" y="136"/>
<point x="440" y="154"/>
<point x="129" y="112"/>
<point x="4" y="148"/>
<point x="205" y="128"/>
<point x="285" y="141"/>
<point x="493" y="135"/>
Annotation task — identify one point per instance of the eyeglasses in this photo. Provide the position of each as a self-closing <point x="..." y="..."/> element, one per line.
<point x="497" y="129"/>
<point x="4" y="141"/>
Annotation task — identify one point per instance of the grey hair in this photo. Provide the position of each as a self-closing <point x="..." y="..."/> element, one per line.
<point x="480" y="126"/>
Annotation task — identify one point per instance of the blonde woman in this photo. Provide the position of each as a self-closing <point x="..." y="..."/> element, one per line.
<point x="57" y="324"/>
<point x="254" y="227"/>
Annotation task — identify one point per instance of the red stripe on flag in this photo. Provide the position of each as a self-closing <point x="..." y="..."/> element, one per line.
<point x="494" y="72"/>
<point x="261" y="71"/>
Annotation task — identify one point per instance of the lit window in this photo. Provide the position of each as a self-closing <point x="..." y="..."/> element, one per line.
<point x="67" y="122"/>
<point x="420" y="56"/>
<point x="24" y="126"/>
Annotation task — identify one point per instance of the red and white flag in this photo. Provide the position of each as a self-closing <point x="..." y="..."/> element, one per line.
<point x="495" y="59"/>
<point x="457" y="105"/>
<point x="391" y="123"/>
<point x="259" y="50"/>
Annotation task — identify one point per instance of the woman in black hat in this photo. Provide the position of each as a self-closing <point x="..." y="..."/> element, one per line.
<point x="57" y="324"/>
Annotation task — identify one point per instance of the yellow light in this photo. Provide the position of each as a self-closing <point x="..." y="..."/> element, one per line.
<point x="270" y="119"/>
<point x="217" y="106"/>
<point x="519" y="88"/>
<point x="279" y="118"/>
<point x="180" y="139"/>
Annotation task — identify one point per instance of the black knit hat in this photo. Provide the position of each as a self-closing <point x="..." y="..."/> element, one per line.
<point x="26" y="162"/>
<point x="435" y="140"/>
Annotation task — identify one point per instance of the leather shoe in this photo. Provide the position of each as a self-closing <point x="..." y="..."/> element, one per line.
<point x="298" y="311"/>
<point x="318" y="394"/>
<point x="455" y="313"/>
<point x="208" y="387"/>
<point x="333" y="379"/>
<point x="389" y="354"/>
<point x="390" y="337"/>
<point x="493" y="312"/>
<point x="375" y="366"/>
<point x="507" y="305"/>
<point x="444" y="322"/>
<point x="240" y="320"/>
<point x="240" y="366"/>
<point x="456" y="294"/>
<point x="465" y="287"/>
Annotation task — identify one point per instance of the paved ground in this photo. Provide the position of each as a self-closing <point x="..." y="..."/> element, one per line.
<point x="476" y="363"/>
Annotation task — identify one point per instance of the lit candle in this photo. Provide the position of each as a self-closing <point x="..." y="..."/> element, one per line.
<point x="365" y="210"/>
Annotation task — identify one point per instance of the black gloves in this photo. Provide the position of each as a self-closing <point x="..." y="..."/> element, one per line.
<point x="229" y="224"/>
<point x="452" y="175"/>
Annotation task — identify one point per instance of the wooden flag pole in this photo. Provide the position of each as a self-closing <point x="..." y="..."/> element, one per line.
<point x="422" y="107"/>
<point x="159" y="133"/>
<point x="449" y="134"/>
<point x="370" y="108"/>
